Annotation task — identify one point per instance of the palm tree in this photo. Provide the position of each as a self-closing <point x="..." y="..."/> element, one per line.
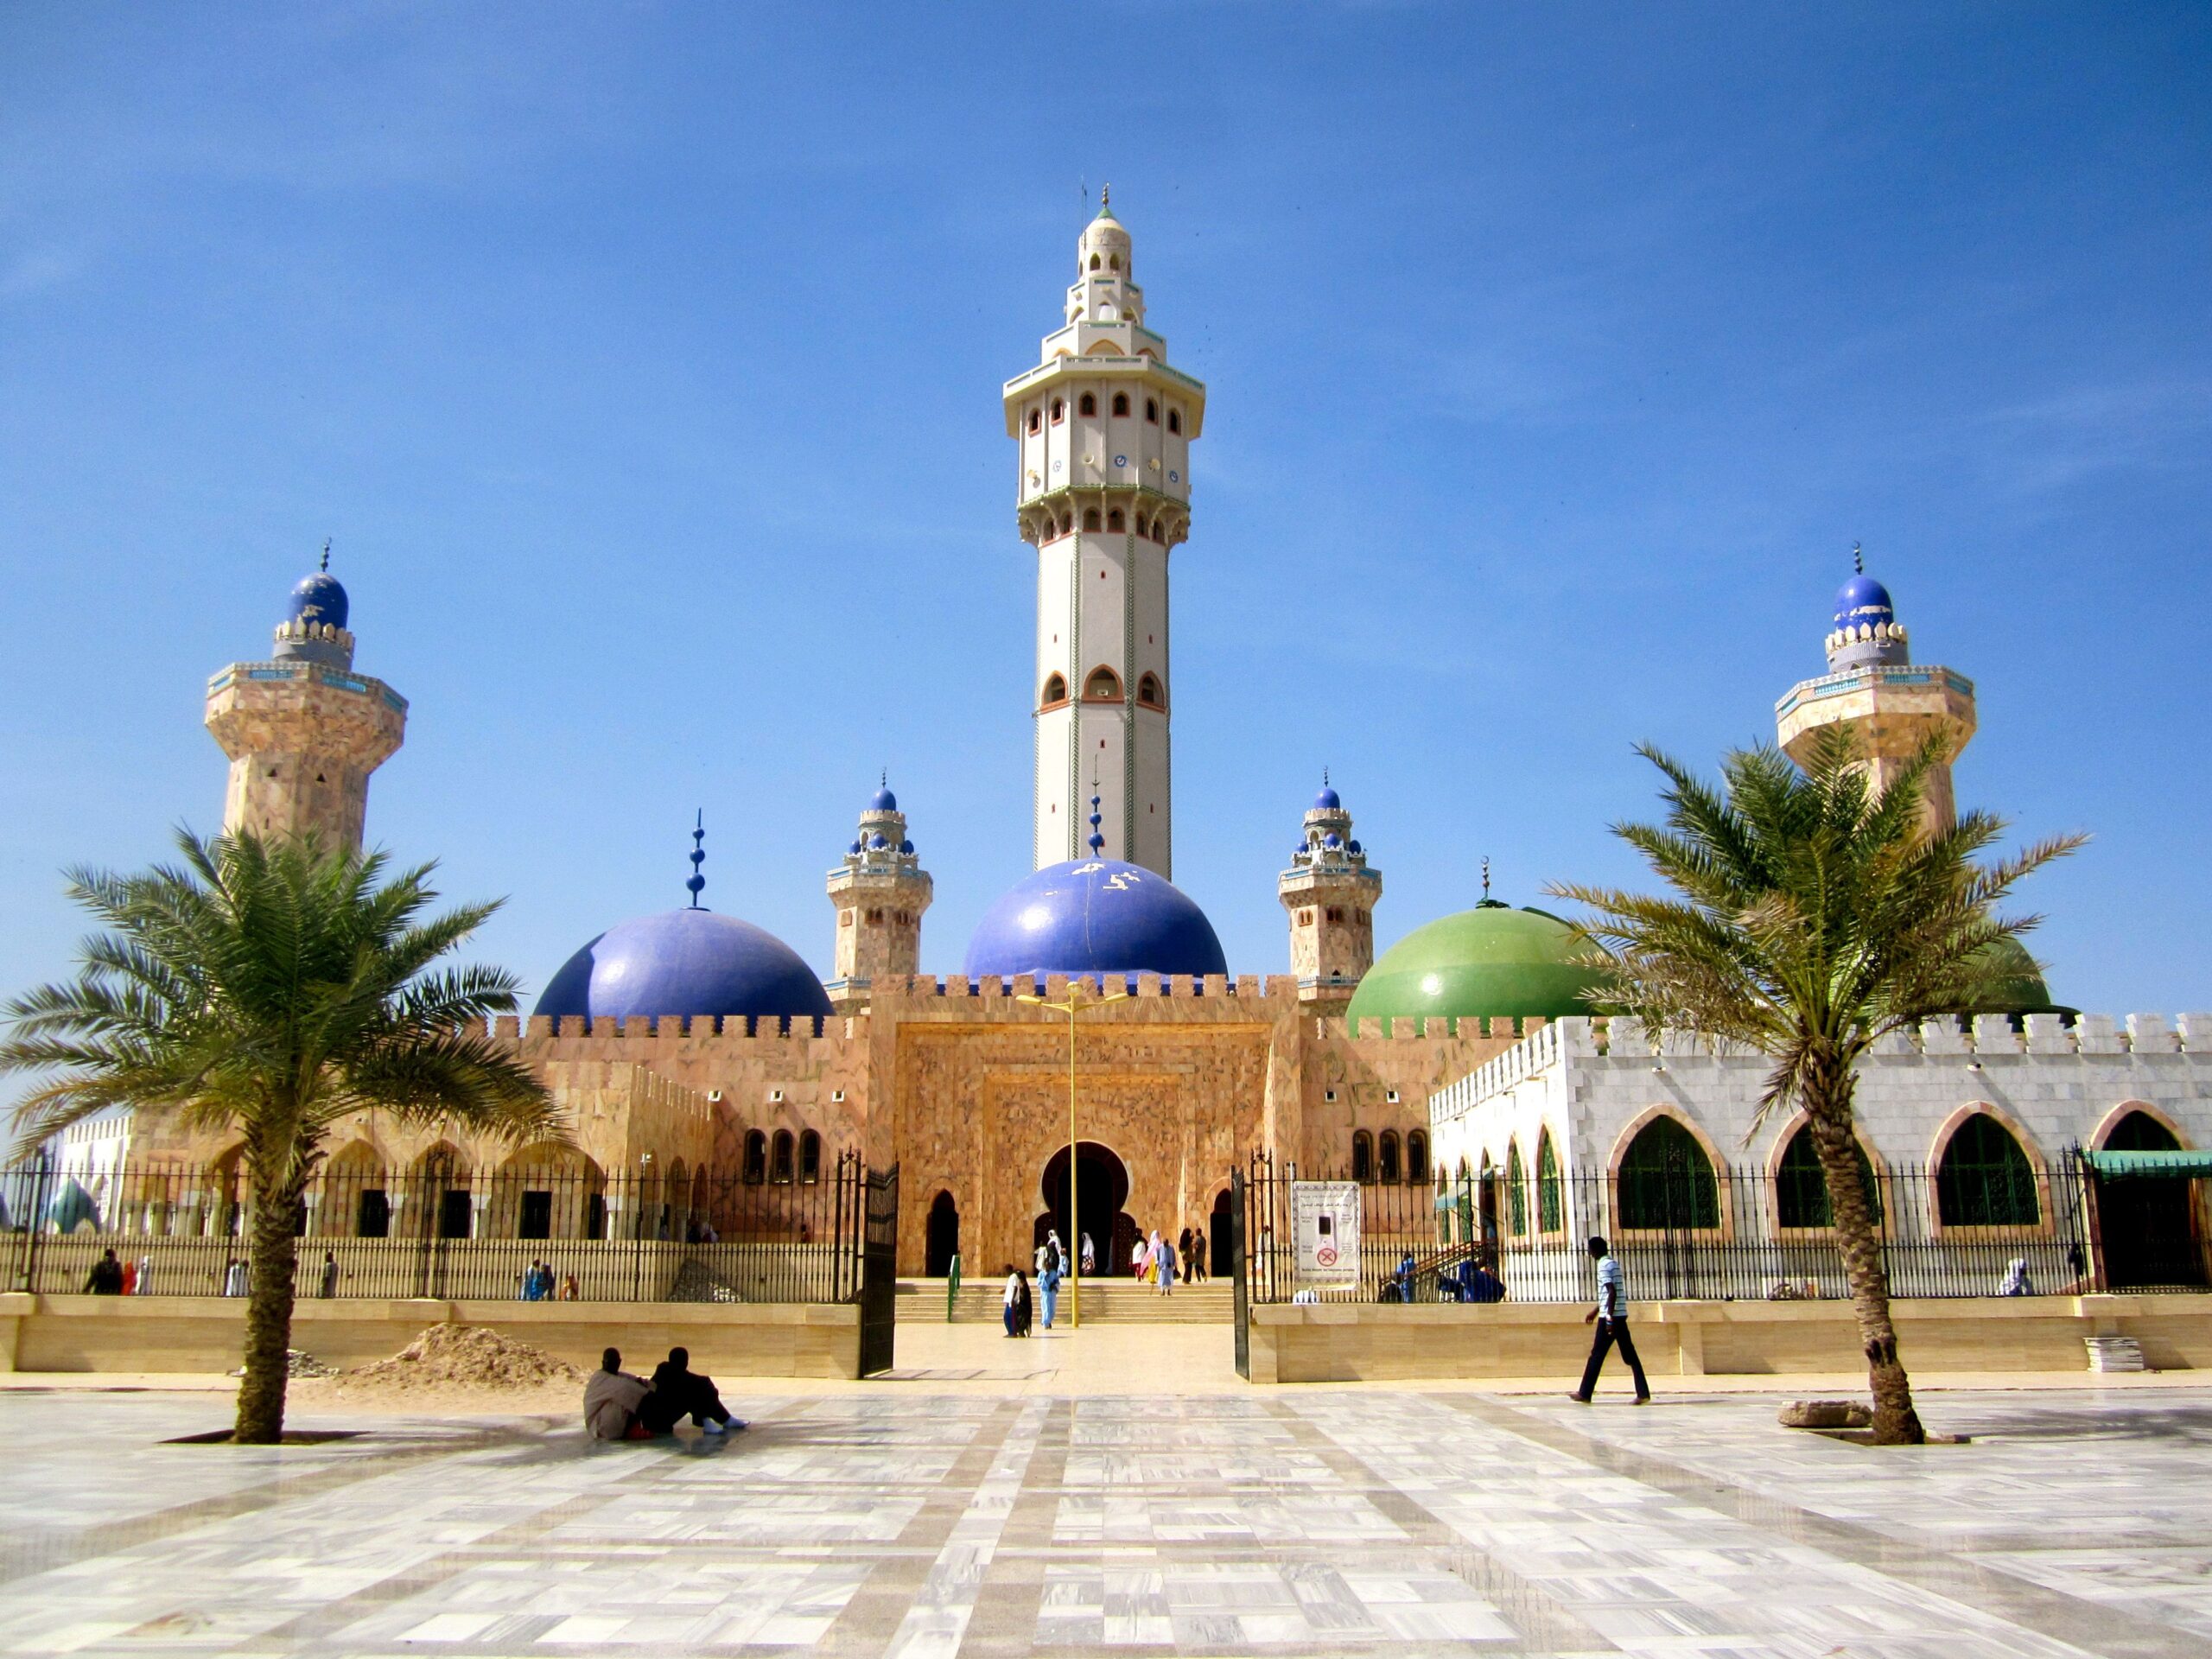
<point x="266" y="990"/>
<point x="1811" y="915"/>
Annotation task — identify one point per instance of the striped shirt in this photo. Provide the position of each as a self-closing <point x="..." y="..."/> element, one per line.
<point x="1612" y="1294"/>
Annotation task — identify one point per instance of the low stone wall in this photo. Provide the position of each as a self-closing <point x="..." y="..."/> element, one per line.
<point x="194" y="1333"/>
<point x="1343" y="1342"/>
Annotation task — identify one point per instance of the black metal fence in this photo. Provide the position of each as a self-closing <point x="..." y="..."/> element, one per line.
<point x="1704" y="1234"/>
<point x="552" y="1233"/>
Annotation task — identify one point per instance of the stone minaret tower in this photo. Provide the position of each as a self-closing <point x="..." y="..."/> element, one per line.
<point x="1104" y="429"/>
<point x="1331" y="894"/>
<point x="302" y="730"/>
<point x="1873" y="686"/>
<point x="881" y="891"/>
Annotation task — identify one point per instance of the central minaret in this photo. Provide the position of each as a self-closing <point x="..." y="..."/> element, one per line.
<point x="1104" y="429"/>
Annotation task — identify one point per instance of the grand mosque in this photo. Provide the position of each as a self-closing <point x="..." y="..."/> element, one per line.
<point x="706" y="1042"/>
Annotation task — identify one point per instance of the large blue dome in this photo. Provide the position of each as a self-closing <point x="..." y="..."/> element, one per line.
<point x="319" y="598"/>
<point x="686" y="961"/>
<point x="1863" y="599"/>
<point x="1094" y="916"/>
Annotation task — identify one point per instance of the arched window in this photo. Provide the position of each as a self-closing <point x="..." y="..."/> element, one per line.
<point x="1363" y="1156"/>
<point x="1149" y="691"/>
<point x="1152" y="410"/>
<point x="1067" y="523"/>
<point x="1549" y="1208"/>
<point x="1086" y="404"/>
<point x="1984" y="1179"/>
<point x="1091" y="519"/>
<point x="2140" y="1132"/>
<point x="1800" y="1186"/>
<point x="1104" y="685"/>
<point x="809" y="1156"/>
<point x="1174" y="420"/>
<point x="1121" y="402"/>
<point x="1417" y="1156"/>
<point x="1036" y="421"/>
<point x="756" y="1156"/>
<point x="1059" y="409"/>
<point x="1115" y="522"/>
<point x="1113" y="262"/>
<point x="1094" y="261"/>
<point x="1516" y="1192"/>
<point x="1666" y="1180"/>
<point x="1056" y="690"/>
<point x="1388" y="1164"/>
<point x="782" y="1167"/>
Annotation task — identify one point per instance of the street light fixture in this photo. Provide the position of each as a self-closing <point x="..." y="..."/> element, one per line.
<point x="1073" y="1007"/>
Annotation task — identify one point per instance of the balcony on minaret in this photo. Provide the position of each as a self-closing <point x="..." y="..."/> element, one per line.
<point x="1330" y="892"/>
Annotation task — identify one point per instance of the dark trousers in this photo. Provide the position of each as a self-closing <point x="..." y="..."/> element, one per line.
<point x="1609" y="1332"/>
<point x="674" y="1398"/>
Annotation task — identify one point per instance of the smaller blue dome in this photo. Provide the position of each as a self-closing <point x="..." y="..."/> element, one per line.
<point x="1354" y="847"/>
<point x="1298" y="852"/>
<point x="318" y="599"/>
<point x="1095" y="916"/>
<point x="685" y="962"/>
<point x="1332" y="841"/>
<point x="1863" y="599"/>
<point x="1327" y="801"/>
<point x="877" y="843"/>
<point x="883" y="801"/>
<point x="906" y="846"/>
<point x="855" y="847"/>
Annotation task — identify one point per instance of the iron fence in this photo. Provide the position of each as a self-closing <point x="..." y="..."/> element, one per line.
<point x="562" y="1233"/>
<point x="1701" y="1233"/>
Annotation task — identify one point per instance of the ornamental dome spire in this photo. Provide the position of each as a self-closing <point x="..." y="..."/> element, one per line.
<point x="1866" y="627"/>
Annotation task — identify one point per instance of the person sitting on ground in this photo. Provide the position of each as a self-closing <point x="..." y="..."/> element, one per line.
<point x="1478" y="1283"/>
<point x="612" y="1397"/>
<point x="2016" y="1279"/>
<point x="678" y="1390"/>
<point x="107" y="1276"/>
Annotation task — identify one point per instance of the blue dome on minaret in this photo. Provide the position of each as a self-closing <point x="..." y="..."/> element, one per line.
<point x="320" y="598"/>
<point x="1863" y="599"/>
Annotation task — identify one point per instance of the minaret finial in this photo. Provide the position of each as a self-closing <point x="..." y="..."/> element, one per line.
<point x="326" y="553"/>
<point x="1325" y="777"/>
<point x="697" y="884"/>
<point x="1105" y="197"/>
<point x="1858" y="564"/>
<point x="883" y="777"/>
<point x="1486" y="878"/>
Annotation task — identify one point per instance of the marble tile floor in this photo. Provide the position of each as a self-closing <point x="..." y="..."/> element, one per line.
<point x="1285" y="1522"/>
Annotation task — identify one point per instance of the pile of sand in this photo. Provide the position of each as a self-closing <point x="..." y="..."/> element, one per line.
<point x="447" y="1357"/>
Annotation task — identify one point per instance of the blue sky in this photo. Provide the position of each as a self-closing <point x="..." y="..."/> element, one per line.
<point x="643" y="361"/>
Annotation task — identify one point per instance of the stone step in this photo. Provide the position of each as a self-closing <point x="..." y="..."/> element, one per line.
<point x="1104" y="1301"/>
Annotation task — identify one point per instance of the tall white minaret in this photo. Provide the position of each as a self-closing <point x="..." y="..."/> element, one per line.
<point x="1104" y="429"/>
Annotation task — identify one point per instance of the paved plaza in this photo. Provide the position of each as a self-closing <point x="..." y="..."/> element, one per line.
<point x="903" y="1519"/>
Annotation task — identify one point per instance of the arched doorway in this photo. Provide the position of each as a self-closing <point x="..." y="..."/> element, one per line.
<point x="1101" y="1188"/>
<point x="1217" y="1237"/>
<point x="944" y="1242"/>
<point x="2145" y="1223"/>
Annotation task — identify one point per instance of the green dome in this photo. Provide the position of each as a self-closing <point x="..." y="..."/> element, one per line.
<point x="1491" y="961"/>
<point x="2017" y="986"/>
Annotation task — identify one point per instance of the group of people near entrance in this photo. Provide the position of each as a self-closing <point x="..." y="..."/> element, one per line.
<point x="1153" y="1261"/>
<point x="621" y="1406"/>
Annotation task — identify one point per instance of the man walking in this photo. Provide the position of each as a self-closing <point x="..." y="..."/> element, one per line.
<point x="1611" y="1316"/>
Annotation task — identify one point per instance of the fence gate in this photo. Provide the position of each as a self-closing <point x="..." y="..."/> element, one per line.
<point x="1242" y="1316"/>
<point x="879" y="1270"/>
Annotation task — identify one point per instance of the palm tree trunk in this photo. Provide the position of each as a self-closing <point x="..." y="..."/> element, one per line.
<point x="268" y="1312"/>
<point x="1828" y="1092"/>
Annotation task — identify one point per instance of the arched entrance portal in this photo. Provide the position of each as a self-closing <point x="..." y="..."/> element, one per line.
<point x="1101" y="1188"/>
<point x="2148" y="1223"/>
<point x="1218" y="1266"/>
<point x="943" y="1240"/>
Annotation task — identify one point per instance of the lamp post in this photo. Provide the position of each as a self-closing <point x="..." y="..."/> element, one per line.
<point x="1073" y="1007"/>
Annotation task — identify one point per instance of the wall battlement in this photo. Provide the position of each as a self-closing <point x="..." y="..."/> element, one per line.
<point x="1988" y="1036"/>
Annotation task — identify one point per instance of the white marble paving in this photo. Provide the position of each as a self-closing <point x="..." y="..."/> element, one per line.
<point x="1287" y="1523"/>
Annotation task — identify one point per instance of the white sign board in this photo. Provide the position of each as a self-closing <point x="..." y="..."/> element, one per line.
<point x="1325" y="1222"/>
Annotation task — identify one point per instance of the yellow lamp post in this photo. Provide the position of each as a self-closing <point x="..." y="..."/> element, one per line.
<point x="1074" y="1007"/>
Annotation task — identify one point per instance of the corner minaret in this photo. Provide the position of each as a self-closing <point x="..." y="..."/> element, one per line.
<point x="1103" y="482"/>
<point x="881" y="891"/>
<point x="302" y="730"/>
<point x="1331" y="894"/>
<point x="1872" y="686"/>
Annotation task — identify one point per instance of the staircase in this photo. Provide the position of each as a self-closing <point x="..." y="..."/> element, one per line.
<point x="1105" y="1301"/>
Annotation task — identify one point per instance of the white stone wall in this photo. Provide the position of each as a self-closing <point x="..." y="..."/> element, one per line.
<point x="1591" y="1082"/>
